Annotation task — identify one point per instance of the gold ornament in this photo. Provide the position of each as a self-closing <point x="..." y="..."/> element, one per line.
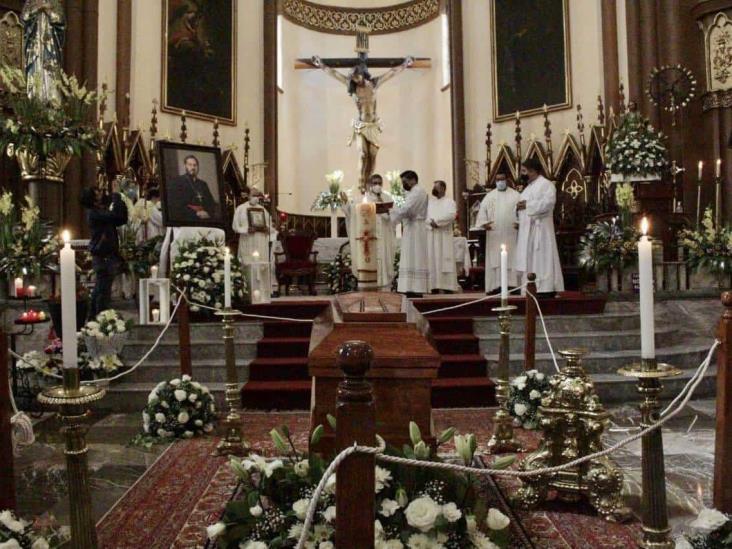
<point x="33" y="168"/>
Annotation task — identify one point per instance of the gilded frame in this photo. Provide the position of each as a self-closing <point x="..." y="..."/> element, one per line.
<point x="566" y="104"/>
<point x="192" y="113"/>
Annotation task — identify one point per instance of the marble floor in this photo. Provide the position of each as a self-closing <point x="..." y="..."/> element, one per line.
<point x="115" y="465"/>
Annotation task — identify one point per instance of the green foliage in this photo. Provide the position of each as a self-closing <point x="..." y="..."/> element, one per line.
<point x="708" y="247"/>
<point x="341" y="263"/>
<point x="608" y="245"/>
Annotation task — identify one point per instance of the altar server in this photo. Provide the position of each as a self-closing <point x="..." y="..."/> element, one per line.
<point x="252" y="238"/>
<point x="385" y="237"/>
<point x="154" y="226"/>
<point x="497" y="215"/>
<point x="441" y="212"/>
<point x="413" y="271"/>
<point x="536" y="249"/>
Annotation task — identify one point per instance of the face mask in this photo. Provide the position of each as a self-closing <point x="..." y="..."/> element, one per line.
<point x="376" y="189"/>
<point x="254" y="200"/>
<point x="524" y="178"/>
<point x="501" y="184"/>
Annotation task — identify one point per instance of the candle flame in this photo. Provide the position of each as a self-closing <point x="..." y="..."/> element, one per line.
<point x="701" y="163"/>
<point x="66" y="235"/>
<point x="364" y="200"/>
<point x="503" y="247"/>
<point x="644" y="226"/>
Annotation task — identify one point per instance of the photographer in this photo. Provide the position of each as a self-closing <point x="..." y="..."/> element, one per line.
<point x="105" y="212"/>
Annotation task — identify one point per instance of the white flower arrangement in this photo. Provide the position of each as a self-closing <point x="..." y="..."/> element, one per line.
<point x="16" y="533"/>
<point x="179" y="408"/>
<point x="708" y="246"/>
<point x="102" y="341"/>
<point x="429" y="511"/>
<point x="331" y="197"/>
<point x="524" y="397"/>
<point x="199" y="267"/>
<point x="635" y="148"/>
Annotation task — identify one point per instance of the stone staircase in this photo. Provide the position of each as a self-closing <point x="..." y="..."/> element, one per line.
<point x="684" y="333"/>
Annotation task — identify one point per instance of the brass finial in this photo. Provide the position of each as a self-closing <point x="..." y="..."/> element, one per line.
<point x="488" y="146"/>
<point x="518" y="141"/>
<point x="581" y="126"/>
<point x="548" y="136"/>
<point x="102" y="105"/>
<point x="183" y="127"/>
<point x="245" y="168"/>
<point x="216" y="132"/>
<point x="621" y="99"/>
<point x="154" y="120"/>
<point x="600" y="111"/>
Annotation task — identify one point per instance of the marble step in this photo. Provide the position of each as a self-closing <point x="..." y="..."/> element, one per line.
<point x="132" y="397"/>
<point x="205" y="331"/>
<point x="200" y="350"/>
<point x="205" y="371"/>
<point x="590" y="340"/>
<point x="620" y="321"/>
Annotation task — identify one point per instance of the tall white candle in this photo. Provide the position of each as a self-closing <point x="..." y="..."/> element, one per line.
<point x="67" y="267"/>
<point x="504" y="273"/>
<point x="645" y="272"/>
<point x="227" y="279"/>
<point x="18" y="286"/>
<point x="365" y="258"/>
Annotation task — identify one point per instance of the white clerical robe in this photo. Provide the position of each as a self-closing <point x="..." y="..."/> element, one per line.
<point x="251" y="242"/>
<point x="155" y="226"/>
<point x="536" y="249"/>
<point x="413" y="271"/>
<point x="499" y="208"/>
<point x="440" y="248"/>
<point x="385" y="238"/>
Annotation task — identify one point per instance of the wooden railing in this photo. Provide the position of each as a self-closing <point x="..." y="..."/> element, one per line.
<point x="723" y="438"/>
<point x="530" y="327"/>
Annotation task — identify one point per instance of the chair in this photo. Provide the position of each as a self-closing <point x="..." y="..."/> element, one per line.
<point x="300" y="261"/>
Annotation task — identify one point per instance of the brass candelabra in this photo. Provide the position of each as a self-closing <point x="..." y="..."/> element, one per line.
<point x="72" y="400"/>
<point x="503" y="440"/>
<point x="233" y="443"/>
<point x="656" y="531"/>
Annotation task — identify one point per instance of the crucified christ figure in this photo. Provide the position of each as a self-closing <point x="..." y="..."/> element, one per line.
<point x="367" y="127"/>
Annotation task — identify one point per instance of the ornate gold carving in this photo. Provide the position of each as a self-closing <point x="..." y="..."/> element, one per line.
<point x="718" y="51"/>
<point x="720" y="99"/>
<point x="32" y="168"/>
<point x="11" y="41"/>
<point x="345" y="20"/>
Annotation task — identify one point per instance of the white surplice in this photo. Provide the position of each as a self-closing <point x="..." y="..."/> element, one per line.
<point x="155" y="226"/>
<point x="249" y="242"/>
<point x="499" y="208"/>
<point x="413" y="271"/>
<point x="536" y="249"/>
<point x="440" y="248"/>
<point x="385" y="238"/>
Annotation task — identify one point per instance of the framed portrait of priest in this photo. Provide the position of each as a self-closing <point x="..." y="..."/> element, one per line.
<point x="531" y="57"/>
<point x="199" y="59"/>
<point x="257" y="220"/>
<point x="191" y="185"/>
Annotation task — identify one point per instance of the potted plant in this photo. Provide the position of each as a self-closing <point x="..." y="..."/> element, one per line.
<point x="635" y="150"/>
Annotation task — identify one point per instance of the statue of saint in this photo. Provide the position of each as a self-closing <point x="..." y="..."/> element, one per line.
<point x="43" y="39"/>
<point x="367" y="127"/>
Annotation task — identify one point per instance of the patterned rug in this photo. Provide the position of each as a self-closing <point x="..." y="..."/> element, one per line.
<point x="186" y="489"/>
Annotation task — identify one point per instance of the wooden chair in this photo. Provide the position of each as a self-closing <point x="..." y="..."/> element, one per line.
<point x="299" y="263"/>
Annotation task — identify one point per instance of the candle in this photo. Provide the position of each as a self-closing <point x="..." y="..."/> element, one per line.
<point x="154" y="271"/>
<point x="699" y="170"/>
<point x="504" y="274"/>
<point x="645" y="272"/>
<point x="18" y="286"/>
<point x="718" y="168"/>
<point x="255" y="255"/>
<point x="366" y="265"/>
<point x="32" y="291"/>
<point x="227" y="279"/>
<point x="257" y="295"/>
<point x="156" y="315"/>
<point x="68" y="302"/>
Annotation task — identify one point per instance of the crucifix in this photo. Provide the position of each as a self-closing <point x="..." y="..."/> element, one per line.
<point x="362" y="87"/>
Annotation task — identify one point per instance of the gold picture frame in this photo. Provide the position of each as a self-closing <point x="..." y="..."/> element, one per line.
<point x="206" y="50"/>
<point x="502" y="114"/>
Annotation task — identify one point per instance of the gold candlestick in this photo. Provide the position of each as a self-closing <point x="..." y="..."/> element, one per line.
<point x="502" y="439"/>
<point x="72" y="400"/>
<point x="656" y="532"/>
<point x="233" y="443"/>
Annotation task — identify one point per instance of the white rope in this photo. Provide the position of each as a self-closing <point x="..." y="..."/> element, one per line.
<point x="378" y="452"/>
<point x="21" y="425"/>
<point x="473" y="302"/>
<point x="697" y="376"/>
<point x="546" y="333"/>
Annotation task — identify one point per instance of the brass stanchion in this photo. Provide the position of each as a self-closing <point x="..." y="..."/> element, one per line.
<point x="233" y="443"/>
<point x="72" y="399"/>
<point x="656" y="532"/>
<point x="502" y="439"/>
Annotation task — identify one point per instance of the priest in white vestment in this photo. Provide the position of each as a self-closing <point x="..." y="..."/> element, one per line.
<point x="154" y="226"/>
<point x="252" y="238"/>
<point x="536" y="250"/>
<point x="441" y="212"/>
<point x="385" y="237"/>
<point x="497" y="215"/>
<point x="413" y="271"/>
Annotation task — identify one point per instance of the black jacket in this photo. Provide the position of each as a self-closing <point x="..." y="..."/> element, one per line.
<point x="103" y="223"/>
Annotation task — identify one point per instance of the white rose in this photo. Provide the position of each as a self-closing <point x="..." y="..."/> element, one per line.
<point x="192" y="397"/>
<point x="164" y="404"/>
<point x="302" y="468"/>
<point x="301" y="508"/>
<point x="390" y="544"/>
<point x="161" y="433"/>
<point x="539" y="376"/>
<point x="709" y="520"/>
<point x="326" y="545"/>
<point x="252" y="544"/>
<point x="419" y="541"/>
<point x="481" y="541"/>
<point x="152" y="398"/>
<point x="215" y="530"/>
<point x="10" y="544"/>
<point x="175" y="382"/>
<point x="496" y="520"/>
<point x="183" y="418"/>
<point x="145" y="417"/>
<point x="388" y="507"/>
<point x="295" y="531"/>
<point x="471" y="522"/>
<point x="188" y="434"/>
<point x="421" y="513"/>
<point x="10" y="522"/>
<point x="256" y="511"/>
<point x="534" y="394"/>
<point x="180" y="395"/>
<point x="451" y="512"/>
<point x="329" y="514"/>
<point x="40" y="543"/>
<point x="160" y="418"/>
<point x="520" y="408"/>
<point x="186" y="377"/>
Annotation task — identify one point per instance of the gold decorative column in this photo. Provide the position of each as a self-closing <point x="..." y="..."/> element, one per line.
<point x="572" y="421"/>
<point x="233" y="442"/>
<point x="72" y="400"/>
<point x="502" y="439"/>
<point x="656" y="531"/>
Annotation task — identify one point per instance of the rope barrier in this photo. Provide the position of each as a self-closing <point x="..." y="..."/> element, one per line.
<point x="378" y="453"/>
<point x="473" y="302"/>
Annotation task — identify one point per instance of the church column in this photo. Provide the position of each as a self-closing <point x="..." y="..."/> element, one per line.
<point x="124" y="61"/>
<point x="457" y="97"/>
<point x="648" y="57"/>
<point x="270" y="98"/>
<point x="91" y="64"/>
<point x="632" y="19"/>
<point x="610" y="53"/>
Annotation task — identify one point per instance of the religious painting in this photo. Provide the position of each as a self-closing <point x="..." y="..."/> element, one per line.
<point x="192" y="185"/>
<point x="531" y="63"/>
<point x="199" y="59"/>
<point x="257" y="220"/>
